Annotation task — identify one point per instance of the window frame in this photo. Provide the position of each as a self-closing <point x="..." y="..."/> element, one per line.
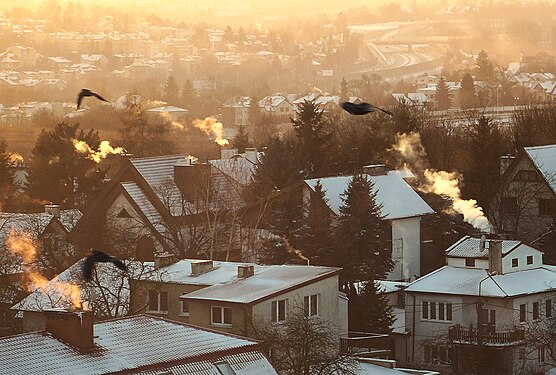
<point x="431" y="311"/>
<point x="548" y="308"/>
<point x="536" y="311"/>
<point x="159" y="302"/>
<point x="222" y="314"/>
<point x="311" y="305"/>
<point x="516" y="261"/>
<point x="183" y="303"/>
<point x="469" y="262"/>
<point x="522" y="312"/>
<point x="275" y="310"/>
<point x="530" y="260"/>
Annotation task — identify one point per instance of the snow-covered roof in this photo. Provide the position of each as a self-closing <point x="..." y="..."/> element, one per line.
<point x="35" y="223"/>
<point x="145" y="205"/>
<point x="387" y="286"/>
<point x="266" y="282"/>
<point x="469" y="247"/>
<point x="544" y="158"/>
<point x="397" y="198"/>
<point x="131" y="343"/>
<point x="465" y="281"/>
<point x="55" y="293"/>
<point x="238" y="168"/>
<point x="223" y="283"/>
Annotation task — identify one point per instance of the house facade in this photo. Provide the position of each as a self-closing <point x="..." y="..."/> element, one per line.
<point x="500" y="286"/>
<point x="400" y="205"/>
<point x="524" y="204"/>
<point x="238" y="297"/>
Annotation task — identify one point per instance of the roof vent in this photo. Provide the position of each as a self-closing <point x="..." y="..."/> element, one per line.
<point x="244" y="271"/>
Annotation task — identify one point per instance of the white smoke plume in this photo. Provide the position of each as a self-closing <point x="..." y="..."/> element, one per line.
<point x="439" y="182"/>
<point x="212" y="127"/>
<point x="103" y="151"/>
<point x="176" y="124"/>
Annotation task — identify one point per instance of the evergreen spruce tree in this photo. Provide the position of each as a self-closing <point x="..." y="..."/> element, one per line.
<point x="312" y="136"/>
<point x="368" y="309"/>
<point x="468" y="96"/>
<point x="442" y="95"/>
<point x="317" y="239"/>
<point x="241" y="140"/>
<point x="171" y="91"/>
<point x="484" y="67"/>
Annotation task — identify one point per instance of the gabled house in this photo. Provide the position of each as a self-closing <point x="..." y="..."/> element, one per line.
<point x="277" y="106"/>
<point x="171" y="203"/>
<point x="402" y="207"/>
<point x="239" y="297"/>
<point x="488" y="299"/>
<point x="72" y="343"/>
<point x="524" y="204"/>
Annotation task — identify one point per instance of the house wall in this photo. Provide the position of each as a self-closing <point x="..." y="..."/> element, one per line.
<point x="521" y="254"/>
<point x="246" y="317"/>
<point x="406" y="249"/>
<point x="527" y="224"/>
<point x="460" y="262"/>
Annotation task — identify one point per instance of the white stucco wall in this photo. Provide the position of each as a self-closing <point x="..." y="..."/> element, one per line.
<point x="406" y="249"/>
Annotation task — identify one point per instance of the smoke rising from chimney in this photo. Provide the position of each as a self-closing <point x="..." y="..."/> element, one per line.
<point x="212" y="127"/>
<point x="61" y="293"/>
<point x="439" y="182"/>
<point x="104" y="150"/>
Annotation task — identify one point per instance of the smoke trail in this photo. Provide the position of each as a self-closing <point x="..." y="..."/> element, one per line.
<point x="166" y="116"/>
<point x="104" y="150"/>
<point x="439" y="182"/>
<point x="212" y="127"/>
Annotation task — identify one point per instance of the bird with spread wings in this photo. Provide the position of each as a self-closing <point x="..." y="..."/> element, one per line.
<point x="362" y="108"/>
<point x="99" y="257"/>
<point x="86" y="92"/>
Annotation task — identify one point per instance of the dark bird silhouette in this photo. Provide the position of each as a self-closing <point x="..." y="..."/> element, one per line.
<point x="86" y="92"/>
<point x="99" y="256"/>
<point x="362" y="108"/>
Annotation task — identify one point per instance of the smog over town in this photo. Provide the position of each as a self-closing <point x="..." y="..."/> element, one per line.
<point x="292" y="187"/>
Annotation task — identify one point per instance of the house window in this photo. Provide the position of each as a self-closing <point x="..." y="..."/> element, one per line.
<point x="547" y="207"/>
<point x="540" y="354"/>
<point x="311" y="305"/>
<point x="184" y="308"/>
<point x="221" y="315"/>
<point x="158" y="301"/>
<point x="437" y="311"/>
<point x="437" y="354"/>
<point x="515" y="262"/>
<point x="548" y="308"/>
<point x="522" y="312"/>
<point x="535" y="310"/>
<point x="529" y="259"/>
<point x="278" y="310"/>
<point x="508" y="206"/>
<point x="469" y="262"/>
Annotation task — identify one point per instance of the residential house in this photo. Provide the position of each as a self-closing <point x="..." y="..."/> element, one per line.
<point x="171" y="203"/>
<point x="278" y="107"/>
<point x="492" y="294"/>
<point x="524" y="204"/>
<point x="168" y="112"/>
<point x="97" y="60"/>
<point x="411" y="98"/>
<point x="237" y="112"/>
<point x="238" y="297"/>
<point x="72" y="343"/>
<point x="400" y="205"/>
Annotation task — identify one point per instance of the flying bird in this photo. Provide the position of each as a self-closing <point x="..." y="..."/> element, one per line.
<point x="86" y="92"/>
<point x="362" y="108"/>
<point x="96" y="257"/>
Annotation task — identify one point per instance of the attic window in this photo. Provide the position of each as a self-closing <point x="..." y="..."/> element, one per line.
<point x="469" y="262"/>
<point x="124" y="214"/>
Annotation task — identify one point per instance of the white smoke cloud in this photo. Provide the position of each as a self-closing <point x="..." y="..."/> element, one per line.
<point x="212" y="127"/>
<point x="103" y="151"/>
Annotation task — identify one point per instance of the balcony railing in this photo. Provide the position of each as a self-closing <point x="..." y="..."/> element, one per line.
<point x="457" y="334"/>
<point x="361" y="343"/>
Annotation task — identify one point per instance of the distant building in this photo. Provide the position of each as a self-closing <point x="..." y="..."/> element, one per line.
<point x="72" y="344"/>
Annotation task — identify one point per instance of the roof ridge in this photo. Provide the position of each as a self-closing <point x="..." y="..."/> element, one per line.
<point x="157" y="157"/>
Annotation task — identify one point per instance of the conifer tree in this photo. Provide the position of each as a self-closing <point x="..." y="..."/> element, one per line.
<point x="6" y="174"/>
<point x="468" y="96"/>
<point x="368" y="309"/>
<point x="171" y="91"/>
<point x="241" y="140"/>
<point x="317" y="239"/>
<point x="442" y="95"/>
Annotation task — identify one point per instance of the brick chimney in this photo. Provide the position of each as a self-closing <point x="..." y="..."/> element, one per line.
<point x="203" y="266"/>
<point x="74" y="327"/>
<point x="375" y="170"/>
<point x="495" y="256"/>
<point x="163" y="260"/>
<point x="52" y="209"/>
<point x="245" y="271"/>
<point x="505" y="161"/>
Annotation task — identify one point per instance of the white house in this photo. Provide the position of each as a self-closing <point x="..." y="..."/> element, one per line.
<point x="401" y="206"/>
<point x="507" y="283"/>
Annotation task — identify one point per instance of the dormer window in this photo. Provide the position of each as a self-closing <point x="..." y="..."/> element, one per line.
<point x="469" y="262"/>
